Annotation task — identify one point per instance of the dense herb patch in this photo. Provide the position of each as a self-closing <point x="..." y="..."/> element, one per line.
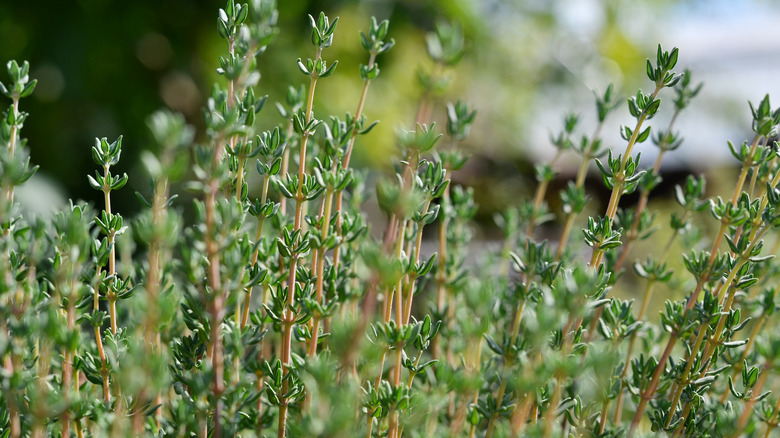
<point x="281" y="314"/>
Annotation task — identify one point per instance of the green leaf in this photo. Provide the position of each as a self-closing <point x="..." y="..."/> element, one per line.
<point x="275" y="166"/>
<point x="652" y="108"/>
<point x="330" y="70"/>
<point x="94" y="183"/>
<point x="364" y="41"/>
<point x="143" y="200"/>
<point x="493" y="345"/>
<point x="650" y="71"/>
<point x="303" y="68"/>
<point x="672" y="59"/>
<point x="643" y="135"/>
<point x="28" y="89"/>
<point x="369" y="128"/>
<point x="242" y="14"/>
<point x="118" y="184"/>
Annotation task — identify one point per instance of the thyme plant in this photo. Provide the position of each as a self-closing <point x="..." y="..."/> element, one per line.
<point x="274" y="310"/>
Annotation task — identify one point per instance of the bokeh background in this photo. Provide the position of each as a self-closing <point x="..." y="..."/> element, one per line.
<point x="103" y="66"/>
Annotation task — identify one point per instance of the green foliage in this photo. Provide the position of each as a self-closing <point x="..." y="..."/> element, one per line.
<point x="281" y="314"/>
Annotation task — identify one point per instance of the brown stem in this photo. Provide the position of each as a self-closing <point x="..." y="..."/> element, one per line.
<point x="215" y="307"/>
<point x="285" y="166"/>
<point x="255" y="253"/>
<point x="541" y="191"/>
<point x="648" y="393"/>
<point x="748" y="348"/>
<point x="67" y="369"/>
<point x="345" y="165"/>
<point x="320" y="273"/>
<point x="582" y="172"/>
<point x="393" y="431"/>
<point x="518" y="317"/>
<point x="632" y="233"/>
<point x="359" y="112"/>
<point x="771" y="423"/>
<point x="703" y="330"/>
<point x="617" y="190"/>
<point x="460" y="416"/>
<point x="552" y="408"/>
<point x="9" y="190"/>
<point x="692" y="299"/>
<point x="748" y="412"/>
<point x="520" y="417"/>
<point x="649" y="286"/>
<point x="213" y="274"/>
<point x="441" y="270"/>
<point x="289" y="317"/>
<point x="284" y="402"/>
<point x="603" y="417"/>
<point x="154" y="277"/>
<point x="101" y="351"/>
<point x="684" y="379"/>
<point x="11" y="398"/>
<point x="412" y="279"/>
<point x="111" y="296"/>
<point x="369" y="424"/>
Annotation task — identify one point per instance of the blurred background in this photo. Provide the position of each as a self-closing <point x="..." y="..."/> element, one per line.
<point x="103" y="66"/>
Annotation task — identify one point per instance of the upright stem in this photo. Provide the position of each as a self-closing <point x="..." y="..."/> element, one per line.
<point x="648" y="293"/>
<point x="650" y="390"/>
<point x="520" y="416"/>
<point x="154" y="276"/>
<point x="67" y="363"/>
<point x="289" y="317"/>
<point x="111" y="296"/>
<point x="579" y="182"/>
<point x="424" y="109"/>
<point x="99" y="342"/>
<point x="727" y="301"/>
<point x="461" y="415"/>
<point x="629" y="352"/>
<point x="541" y="191"/>
<point x="552" y="408"/>
<point x="255" y="253"/>
<point x="214" y="257"/>
<point x="395" y="415"/>
<point x="285" y="165"/>
<point x="347" y="156"/>
<point x="392" y="431"/>
<point x="358" y="113"/>
<point x="320" y="274"/>
<point x="617" y="190"/>
<point x="9" y="359"/>
<point x="564" y="240"/>
<point x="748" y="348"/>
<point x="515" y="331"/>
<point x="9" y="190"/>
<point x="653" y="385"/>
<point x="771" y="423"/>
<point x="631" y="234"/>
<point x="215" y="307"/>
<point x="684" y="379"/>
<point x="415" y="258"/>
<point x="441" y="270"/>
<point x="748" y="411"/>
<point x="13" y="408"/>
